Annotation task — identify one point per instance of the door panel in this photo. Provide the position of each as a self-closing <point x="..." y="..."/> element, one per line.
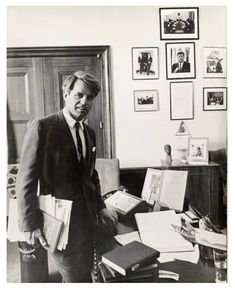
<point x="55" y="70"/>
<point x="19" y="105"/>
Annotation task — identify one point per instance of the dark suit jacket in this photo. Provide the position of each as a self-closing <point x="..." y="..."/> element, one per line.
<point x="185" y="67"/>
<point x="49" y="156"/>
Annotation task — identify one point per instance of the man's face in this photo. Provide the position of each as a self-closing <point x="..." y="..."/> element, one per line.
<point x="79" y="101"/>
<point x="181" y="57"/>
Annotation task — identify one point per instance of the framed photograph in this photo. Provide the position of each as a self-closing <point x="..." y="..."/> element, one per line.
<point x="145" y="63"/>
<point x="214" y="62"/>
<point x="146" y="100"/>
<point x="179" y="23"/>
<point x="214" y="99"/>
<point x="180" y="60"/>
<point x="198" y="150"/>
<point x="181" y="101"/>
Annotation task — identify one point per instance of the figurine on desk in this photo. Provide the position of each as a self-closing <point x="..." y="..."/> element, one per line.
<point x="167" y="149"/>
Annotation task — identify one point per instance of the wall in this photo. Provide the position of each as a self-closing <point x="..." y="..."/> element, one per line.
<point x="139" y="136"/>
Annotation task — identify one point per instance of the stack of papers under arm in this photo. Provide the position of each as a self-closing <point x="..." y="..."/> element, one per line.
<point x="60" y="209"/>
<point x="156" y="231"/>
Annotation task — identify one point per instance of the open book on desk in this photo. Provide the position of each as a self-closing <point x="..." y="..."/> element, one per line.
<point x="165" y="188"/>
<point x="155" y="229"/>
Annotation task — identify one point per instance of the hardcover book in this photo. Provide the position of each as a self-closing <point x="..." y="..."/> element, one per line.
<point x="51" y="229"/>
<point x="130" y="257"/>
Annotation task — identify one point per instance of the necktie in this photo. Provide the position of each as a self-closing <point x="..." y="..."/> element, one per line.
<point x="79" y="142"/>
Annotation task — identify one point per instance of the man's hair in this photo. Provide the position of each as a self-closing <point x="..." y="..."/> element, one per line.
<point x="86" y="77"/>
<point x="180" y="52"/>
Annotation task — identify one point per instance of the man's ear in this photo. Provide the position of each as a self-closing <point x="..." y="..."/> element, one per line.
<point x="65" y="95"/>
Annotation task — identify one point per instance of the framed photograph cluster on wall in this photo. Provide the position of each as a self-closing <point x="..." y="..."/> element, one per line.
<point x="181" y="24"/>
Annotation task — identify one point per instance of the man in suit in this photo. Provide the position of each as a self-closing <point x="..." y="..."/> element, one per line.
<point x="59" y="153"/>
<point x="181" y="65"/>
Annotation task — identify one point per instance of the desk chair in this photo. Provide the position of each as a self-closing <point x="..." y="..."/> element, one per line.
<point x="109" y="175"/>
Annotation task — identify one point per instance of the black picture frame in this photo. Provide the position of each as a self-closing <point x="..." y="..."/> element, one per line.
<point x="215" y="99"/>
<point x="175" y="51"/>
<point x="145" y="63"/>
<point x="181" y="100"/>
<point x="178" y="23"/>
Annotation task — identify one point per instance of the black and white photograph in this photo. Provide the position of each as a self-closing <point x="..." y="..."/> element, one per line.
<point x="214" y="99"/>
<point x="145" y="63"/>
<point x="146" y="100"/>
<point x="215" y="62"/>
<point x="179" y="23"/>
<point x="99" y="103"/>
<point x="198" y="150"/>
<point x="180" y="60"/>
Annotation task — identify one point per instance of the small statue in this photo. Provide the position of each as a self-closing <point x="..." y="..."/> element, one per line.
<point x="167" y="149"/>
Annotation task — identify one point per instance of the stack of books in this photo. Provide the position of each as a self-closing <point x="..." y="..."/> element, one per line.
<point x="133" y="262"/>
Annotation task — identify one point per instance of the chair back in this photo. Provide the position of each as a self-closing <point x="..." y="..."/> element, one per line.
<point x="109" y="174"/>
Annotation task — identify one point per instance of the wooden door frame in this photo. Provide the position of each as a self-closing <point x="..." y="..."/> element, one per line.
<point x="102" y="52"/>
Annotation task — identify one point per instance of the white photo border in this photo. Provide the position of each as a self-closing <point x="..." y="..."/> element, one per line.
<point x="145" y="94"/>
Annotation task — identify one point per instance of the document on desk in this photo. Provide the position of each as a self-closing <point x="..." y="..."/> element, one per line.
<point x="156" y="231"/>
<point x="173" y="189"/>
<point x="127" y="238"/>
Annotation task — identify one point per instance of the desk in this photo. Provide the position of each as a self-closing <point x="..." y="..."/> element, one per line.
<point x="202" y="190"/>
<point x="201" y="272"/>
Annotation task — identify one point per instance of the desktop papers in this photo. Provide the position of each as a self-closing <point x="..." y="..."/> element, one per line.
<point x="127" y="238"/>
<point x="156" y="231"/>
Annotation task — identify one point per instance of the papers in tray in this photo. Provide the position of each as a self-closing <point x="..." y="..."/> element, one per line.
<point x="156" y="231"/>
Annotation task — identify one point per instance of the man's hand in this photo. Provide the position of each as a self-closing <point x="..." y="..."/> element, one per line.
<point x="35" y="237"/>
<point x="109" y="215"/>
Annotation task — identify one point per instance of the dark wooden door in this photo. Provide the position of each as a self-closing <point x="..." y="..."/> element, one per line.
<point x="55" y="70"/>
<point x="35" y="77"/>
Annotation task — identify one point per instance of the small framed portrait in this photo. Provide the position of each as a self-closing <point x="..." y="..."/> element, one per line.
<point x="214" y="62"/>
<point x="198" y="150"/>
<point x="145" y="63"/>
<point x="180" y="60"/>
<point x="179" y="23"/>
<point x="181" y="101"/>
<point x="146" y="100"/>
<point x="214" y="99"/>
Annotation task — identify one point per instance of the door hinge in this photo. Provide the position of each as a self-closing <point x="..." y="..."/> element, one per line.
<point x="101" y="125"/>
